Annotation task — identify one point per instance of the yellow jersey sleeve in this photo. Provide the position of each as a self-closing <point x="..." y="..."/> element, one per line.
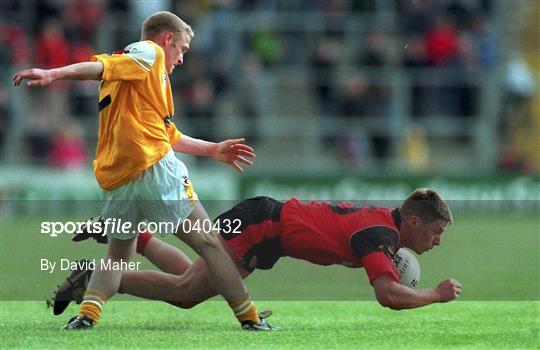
<point x="132" y="63"/>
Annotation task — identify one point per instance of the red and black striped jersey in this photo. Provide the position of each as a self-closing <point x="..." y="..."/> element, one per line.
<point x="326" y="233"/>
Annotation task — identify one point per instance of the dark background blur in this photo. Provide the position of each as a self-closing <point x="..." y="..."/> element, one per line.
<point x="342" y="99"/>
<point x="357" y="86"/>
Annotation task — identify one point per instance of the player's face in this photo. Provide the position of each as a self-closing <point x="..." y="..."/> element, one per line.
<point x="175" y="48"/>
<point x="427" y="235"/>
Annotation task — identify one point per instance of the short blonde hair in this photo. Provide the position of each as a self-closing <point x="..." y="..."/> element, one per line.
<point x="164" y="21"/>
<point x="427" y="205"/>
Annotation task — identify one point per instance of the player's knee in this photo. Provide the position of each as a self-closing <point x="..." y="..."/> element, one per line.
<point x="184" y="304"/>
<point x="178" y="285"/>
<point x="183" y="288"/>
<point x="120" y="250"/>
<point x="188" y="304"/>
<point x="118" y="257"/>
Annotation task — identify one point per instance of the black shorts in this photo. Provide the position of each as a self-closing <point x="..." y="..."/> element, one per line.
<point x="254" y="239"/>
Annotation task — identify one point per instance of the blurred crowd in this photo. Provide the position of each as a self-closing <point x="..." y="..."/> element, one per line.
<point x="228" y="65"/>
<point x="451" y="38"/>
<point x="53" y="34"/>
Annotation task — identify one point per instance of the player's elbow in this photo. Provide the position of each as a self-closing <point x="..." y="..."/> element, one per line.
<point x="388" y="300"/>
<point x="387" y="293"/>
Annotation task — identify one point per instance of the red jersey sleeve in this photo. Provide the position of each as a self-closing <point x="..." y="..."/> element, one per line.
<point x="377" y="264"/>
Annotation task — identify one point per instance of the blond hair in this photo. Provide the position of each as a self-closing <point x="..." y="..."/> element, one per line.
<point x="427" y="205"/>
<point x="163" y="22"/>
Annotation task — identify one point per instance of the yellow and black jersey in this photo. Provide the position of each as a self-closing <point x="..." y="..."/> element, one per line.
<point x="135" y="107"/>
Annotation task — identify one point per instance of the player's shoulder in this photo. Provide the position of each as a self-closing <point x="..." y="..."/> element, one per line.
<point x="374" y="238"/>
<point x="376" y="226"/>
<point x="376" y="216"/>
<point x="145" y="51"/>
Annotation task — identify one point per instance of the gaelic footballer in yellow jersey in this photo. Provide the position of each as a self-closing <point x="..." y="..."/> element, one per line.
<point x="136" y="165"/>
<point x="135" y="109"/>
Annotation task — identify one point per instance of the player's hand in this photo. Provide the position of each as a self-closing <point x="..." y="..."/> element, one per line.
<point x="233" y="152"/>
<point x="36" y="77"/>
<point x="448" y="290"/>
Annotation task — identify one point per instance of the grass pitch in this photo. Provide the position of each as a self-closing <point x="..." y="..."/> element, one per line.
<point x="495" y="257"/>
<point x="305" y="325"/>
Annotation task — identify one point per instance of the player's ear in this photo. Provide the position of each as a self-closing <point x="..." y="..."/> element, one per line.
<point x="169" y="38"/>
<point x="413" y="220"/>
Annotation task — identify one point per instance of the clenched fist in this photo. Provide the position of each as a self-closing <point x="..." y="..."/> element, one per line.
<point x="448" y="290"/>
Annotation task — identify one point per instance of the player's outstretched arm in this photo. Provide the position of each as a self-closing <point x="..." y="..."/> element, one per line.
<point x="230" y="152"/>
<point x="44" y="77"/>
<point x="396" y="296"/>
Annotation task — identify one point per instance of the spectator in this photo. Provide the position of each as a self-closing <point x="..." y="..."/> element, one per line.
<point x="199" y="105"/>
<point x="13" y="52"/>
<point x="267" y="45"/>
<point x="249" y="86"/>
<point x="417" y="16"/>
<point x="460" y="13"/>
<point x="441" y="41"/>
<point x="82" y="17"/>
<point x="355" y="100"/>
<point x="52" y="46"/>
<point x="519" y="127"/>
<point x="67" y="149"/>
<point x="13" y="45"/>
<point x="118" y="33"/>
<point x="446" y="47"/>
<point x="414" y="56"/>
<point x="218" y="72"/>
<point x="373" y="53"/>
<point x="416" y="149"/>
<point x="83" y="93"/>
<point x="46" y="10"/>
<point x="358" y="102"/>
<point x="52" y="50"/>
<point x="486" y="42"/>
<point x="323" y="64"/>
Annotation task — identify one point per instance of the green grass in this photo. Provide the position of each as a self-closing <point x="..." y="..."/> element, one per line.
<point x="306" y="325"/>
<point x="495" y="257"/>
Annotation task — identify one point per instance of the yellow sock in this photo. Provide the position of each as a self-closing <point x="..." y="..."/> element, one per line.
<point x="92" y="304"/>
<point x="245" y="310"/>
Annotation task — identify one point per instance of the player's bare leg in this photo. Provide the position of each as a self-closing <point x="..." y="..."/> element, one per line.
<point x="197" y="283"/>
<point x="187" y="291"/>
<point x="224" y="277"/>
<point x="184" y="291"/>
<point x="103" y="284"/>
<point x="152" y="284"/>
<point x="164" y="256"/>
<point x="108" y="280"/>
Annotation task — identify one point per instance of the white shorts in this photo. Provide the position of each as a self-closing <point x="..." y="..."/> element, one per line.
<point x="161" y="195"/>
